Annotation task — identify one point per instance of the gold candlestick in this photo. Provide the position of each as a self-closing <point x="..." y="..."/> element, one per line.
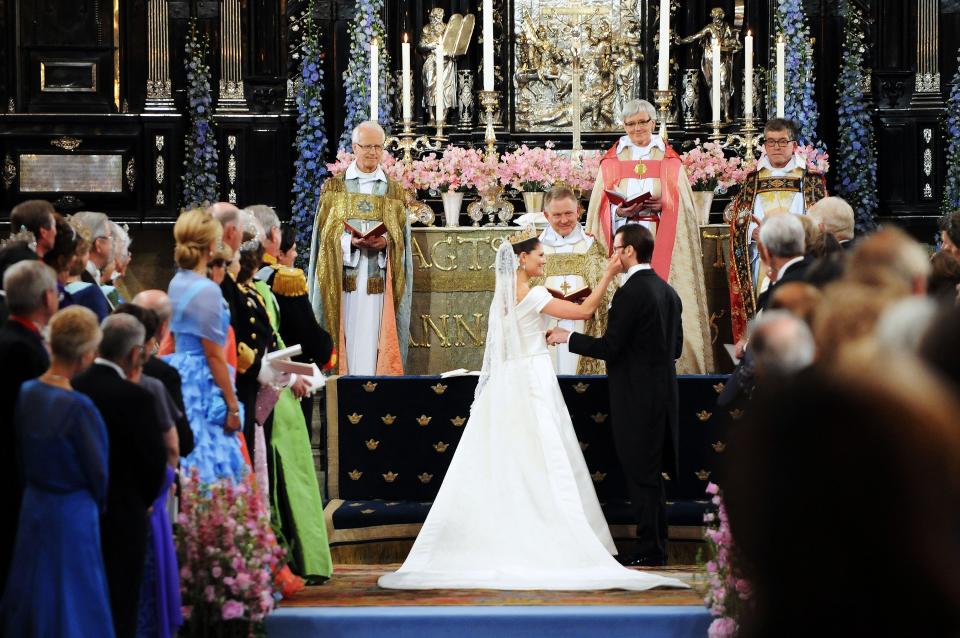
<point x="490" y="100"/>
<point x="716" y="136"/>
<point x="749" y="137"/>
<point x="409" y="142"/>
<point x="663" y="99"/>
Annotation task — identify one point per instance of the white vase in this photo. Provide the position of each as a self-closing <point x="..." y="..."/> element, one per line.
<point x="452" y="203"/>
<point x="533" y="201"/>
<point x="702" y="200"/>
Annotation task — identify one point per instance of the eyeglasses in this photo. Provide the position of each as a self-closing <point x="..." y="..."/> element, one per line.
<point x="637" y="123"/>
<point x="617" y="249"/>
<point x="776" y="143"/>
<point x="369" y="147"/>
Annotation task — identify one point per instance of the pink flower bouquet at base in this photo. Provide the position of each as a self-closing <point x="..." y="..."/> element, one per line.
<point x="727" y="592"/>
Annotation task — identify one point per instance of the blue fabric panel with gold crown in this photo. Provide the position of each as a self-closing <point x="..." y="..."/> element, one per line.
<point x="390" y="439"/>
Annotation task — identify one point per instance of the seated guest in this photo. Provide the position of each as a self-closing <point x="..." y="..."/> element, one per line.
<point x="32" y="232"/>
<point x="811" y="232"/>
<point x="100" y="257"/>
<point x="847" y="317"/>
<point x="159" y="302"/>
<point x="31" y="289"/>
<point x="798" y="298"/>
<point x="835" y="216"/>
<point x="782" y="250"/>
<point x="944" y="275"/>
<point x="890" y="257"/>
<point x="57" y="585"/>
<point x="61" y="256"/>
<point x="839" y="466"/>
<point x="114" y="284"/>
<point x="82" y="292"/>
<point x="781" y="344"/>
<point x="137" y="461"/>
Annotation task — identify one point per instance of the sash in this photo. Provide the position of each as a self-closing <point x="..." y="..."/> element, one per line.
<point x="667" y="170"/>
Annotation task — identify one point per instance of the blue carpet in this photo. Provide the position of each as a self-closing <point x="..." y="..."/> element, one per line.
<point x="494" y="622"/>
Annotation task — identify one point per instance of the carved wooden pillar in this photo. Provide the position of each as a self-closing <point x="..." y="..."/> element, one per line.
<point x="927" y="82"/>
<point x="159" y="86"/>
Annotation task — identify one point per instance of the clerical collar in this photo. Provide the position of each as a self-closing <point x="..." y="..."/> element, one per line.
<point x="553" y="238"/>
<point x="354" y="172"/>
<point x="765" y="164"/>
<point x="110" y="364"/>
<point x="655" y="142"/>
<point x="634" y="270"/>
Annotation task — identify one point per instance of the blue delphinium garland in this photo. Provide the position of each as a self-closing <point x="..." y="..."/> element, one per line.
<point x="951" y="186"/>
<point x="311" y="144"/>
<point x="800" y="103"/>
<point x="367" y="24"/>
<point x="857" y="168"/>
<point x="200" y="152"/>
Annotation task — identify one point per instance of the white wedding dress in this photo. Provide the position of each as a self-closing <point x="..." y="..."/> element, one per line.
<point x="517" y="508"/>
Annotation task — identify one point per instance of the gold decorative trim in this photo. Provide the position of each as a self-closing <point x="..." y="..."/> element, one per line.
<point x="390" y="477"/>
<point x="355" y="475"/>
<point x="718" y="387"/>
<point x="598" y="476"/>
<point x="388" y="419"/>
<point x="367" y="511"/>
<point x="66" y="143"/>
<point x="423" y="420"/>
<point x="131" y="173"/>
<point x="369" y="386"/>
<point x="703" y="475"/>
<point x="704" y="416"/>
<point x="440" y="447"/>
<point x="9" y="171"/>
<point x="719" y="446"/>
<point x="736" y="414"/>
<point x="439" y="388"/>
<point x="581" y="387"/>
<point x="458" y="421"/>
<point x="159" y="169"/>
<point x="354" y="418"/>
<point x="372" y="444"/>
<point x="599" y="417"/>
<point x="425" y="478"/>
<point x="666" y="477"/>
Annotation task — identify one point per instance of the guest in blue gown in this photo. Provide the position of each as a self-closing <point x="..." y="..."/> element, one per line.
<point x="57" y="585"/>
<point x="199" y="325"/>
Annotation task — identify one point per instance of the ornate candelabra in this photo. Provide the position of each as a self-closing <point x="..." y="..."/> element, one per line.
<point x="490" y="100"/>
<point x="663" y="99"/>
<point x="410" y="143"/>
<point x="750" y="135"/>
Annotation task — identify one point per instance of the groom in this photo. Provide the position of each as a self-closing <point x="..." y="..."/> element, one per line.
<point x="641" y="344"/>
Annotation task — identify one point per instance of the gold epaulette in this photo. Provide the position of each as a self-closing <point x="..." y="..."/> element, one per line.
<point x="289" y="282"/>
<point x="245" y="357"/>
<point x="333" y="185"/>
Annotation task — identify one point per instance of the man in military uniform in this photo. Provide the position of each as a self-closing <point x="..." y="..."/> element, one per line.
<point x="361" y="284"/>
<point x="782" y="184"/>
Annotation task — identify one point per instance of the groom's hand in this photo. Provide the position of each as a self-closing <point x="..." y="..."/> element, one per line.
<point x="558" y="336"/>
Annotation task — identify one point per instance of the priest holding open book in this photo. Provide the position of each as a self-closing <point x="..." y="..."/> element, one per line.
<point x="642" y="181"/>
<point x="361" y="266"/>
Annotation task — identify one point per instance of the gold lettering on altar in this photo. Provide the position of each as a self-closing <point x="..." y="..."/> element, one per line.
<point x="474" y="241"/>
<point x="462" y="327"/>
<point x="418" y="254"/>
<point x="448" y="240"/>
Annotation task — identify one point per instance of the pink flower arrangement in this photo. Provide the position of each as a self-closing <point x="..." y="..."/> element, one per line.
<point x="708" y="169"/>
<point x="533" y="169"/>
<point x="817" y="159"/>
<point x="228" y="555"/>
<point x="727" y="591"/>
<point x="394" y="168"/>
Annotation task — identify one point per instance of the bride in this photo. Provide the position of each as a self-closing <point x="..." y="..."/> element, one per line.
<point x="517" y="508"/>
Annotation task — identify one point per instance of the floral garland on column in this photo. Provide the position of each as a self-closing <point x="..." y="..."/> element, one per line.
<point x="951" y="186"/>
<point x="728" y="595"/>
<point x="200" y="186"/>
<point x="311" y="143"/>
<point x="367" y="24"/>
<point x="857" y="168"/>
<point x="800" y="103"/>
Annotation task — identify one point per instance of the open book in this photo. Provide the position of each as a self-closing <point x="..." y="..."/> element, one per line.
<point x="376" y="231"/>
<point x="576" y="296"/>
<point x="619" y="199"/>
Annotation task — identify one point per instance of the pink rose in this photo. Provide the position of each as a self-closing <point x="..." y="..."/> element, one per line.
<point x="232" y="609"/>
<point x="712" y="488"/>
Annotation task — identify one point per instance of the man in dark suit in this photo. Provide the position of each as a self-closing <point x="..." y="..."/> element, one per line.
<point x="31" y="288"/>
<point x="782" y="250"/>
<point x="137" y="462"/>
<point x="643" y="340"/>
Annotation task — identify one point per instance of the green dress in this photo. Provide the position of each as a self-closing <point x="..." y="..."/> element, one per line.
<point x="297" y="507"/>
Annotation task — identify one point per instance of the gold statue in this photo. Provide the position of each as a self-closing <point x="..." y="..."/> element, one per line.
<point x="717" y="31"/>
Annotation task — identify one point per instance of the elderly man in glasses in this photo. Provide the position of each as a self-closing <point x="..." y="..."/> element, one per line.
<point x="782" y="184"/>
<point x="362" y="269"/>
<point x="649" y="175"/>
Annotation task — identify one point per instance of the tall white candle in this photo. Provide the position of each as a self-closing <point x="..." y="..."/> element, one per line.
<point x="438" y="87"/>
<point x="715" y="75"/>
<point x="781" y="53"/>
<point x="374" y="80"/>
<point x="663" y="70"/>
<point x="405" y="81"/>
<point x="487" y="45"/>
<point x="575" y="120"/>
<point x="748" y="75"/>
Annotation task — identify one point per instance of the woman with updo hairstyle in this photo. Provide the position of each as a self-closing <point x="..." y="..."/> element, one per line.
<point x="82" y="293"/>
<point x="56" y="582"/>
<point x="199" y="325"/>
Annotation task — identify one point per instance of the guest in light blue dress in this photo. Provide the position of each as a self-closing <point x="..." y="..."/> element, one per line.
<point x="199" y="325"/>
<point x="57" y="585"/>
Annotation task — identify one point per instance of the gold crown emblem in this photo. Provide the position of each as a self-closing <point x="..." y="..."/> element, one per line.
<point x="440" y="446"/>
<point x="354" y="418"/>
<point x="580" y="388"/>
<point x="372" y="444"/>
<point x="599" y="417"/>
<point x="355" y="475"/>
<point x="598" y="476"/>
<point x="718" y="388"/>
<point x="703" y="475"/>
<point x="565" y="185"/>
<point x="369" y="386"/>
<point x="388" y="419"/>
<point x="424" y="420"/>
<point x="666" y="477"/>
<point x="736" y="414"/>
<point x="719" y="446"/>
<point x="425" y="478"/>
<point x="458" y="421"/>
<point x="703" y="415"/>
<point x="439" y="388"/>
<point x="522" y="235"/>
<point x="355" y="504"/>
<point x="367" y="511"/>
<point x="390" y="477"/>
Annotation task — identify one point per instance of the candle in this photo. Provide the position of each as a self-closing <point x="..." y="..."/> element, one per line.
<point x="374" y="80"/>
<point x="663" y="70"/>
<point x="407" y="99"/>
<point x="748" y="75"/>
<point x="715" y="75"/>
<point x="781" y="52"/>
<point x="438" y="87"/>
<point x="576" y="105"/>
<point x="487" y="45"/>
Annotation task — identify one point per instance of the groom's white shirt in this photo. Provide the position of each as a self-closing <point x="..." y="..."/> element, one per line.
<point x="633" y="270"/>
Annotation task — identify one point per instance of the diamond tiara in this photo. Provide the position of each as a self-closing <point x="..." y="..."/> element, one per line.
<point x="522" y="235"/>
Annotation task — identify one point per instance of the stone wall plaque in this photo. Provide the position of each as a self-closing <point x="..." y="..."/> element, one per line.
<point x="71" y="173"/>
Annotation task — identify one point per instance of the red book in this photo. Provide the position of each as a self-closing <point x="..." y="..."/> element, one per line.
<point x="619" y="199"/>
<point x="576" y="296"/>
<point x="377" y="231"/>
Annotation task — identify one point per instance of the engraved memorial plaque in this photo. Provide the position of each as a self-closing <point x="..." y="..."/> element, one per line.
<point x="71" y="173"/>
<point x="68" y="77"/>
